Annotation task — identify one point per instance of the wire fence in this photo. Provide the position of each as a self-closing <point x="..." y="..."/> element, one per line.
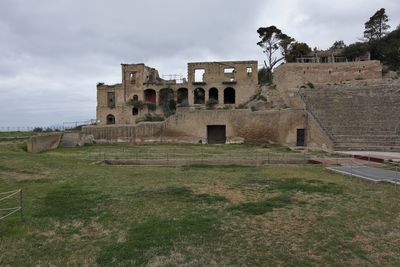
<point x="40" y="128"/>
<point x="248" y="157"/>
<point x="7" y="197"/>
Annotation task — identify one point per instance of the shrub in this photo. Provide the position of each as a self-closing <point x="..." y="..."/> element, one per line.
<point x="263" y="98"/>
<point x="136" y="104"/>
<point x="153" y="117"/>
<point x="310" y="85"/>
<point x="37" y="130"/>
<point x="151" y="106"/>
<point x="241" y="106"/>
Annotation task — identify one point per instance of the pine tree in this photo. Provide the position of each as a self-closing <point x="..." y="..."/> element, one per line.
<point x="376" y="27"/>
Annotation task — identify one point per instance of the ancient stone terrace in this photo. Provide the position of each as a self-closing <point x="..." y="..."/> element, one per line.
<point x="362" y="115"/>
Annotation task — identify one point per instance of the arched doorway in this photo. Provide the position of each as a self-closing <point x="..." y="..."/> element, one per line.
<point x="199" y="96"/>
<point x="182" y="97"/>
<point x="149" y="96"/>
<point x="110" y="119"/>
<point x="213" y="94"/>
<point x="166" y="100"/>
<point x="229" y="96"/>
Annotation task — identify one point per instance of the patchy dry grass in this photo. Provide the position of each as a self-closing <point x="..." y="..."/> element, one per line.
<point x="80" y="214"/>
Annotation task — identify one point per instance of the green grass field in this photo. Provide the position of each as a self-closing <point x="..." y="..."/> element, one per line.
<point x="81" y="214"/>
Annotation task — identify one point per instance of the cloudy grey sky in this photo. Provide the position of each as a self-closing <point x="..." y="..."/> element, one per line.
<point x="53" y="52"/>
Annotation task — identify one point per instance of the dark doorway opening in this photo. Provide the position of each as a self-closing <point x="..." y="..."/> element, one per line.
<point x="229" y="96"/>
<point x="183" y="97"/>
<point x="199" y="96"/>
<point x="110" y="119"/>
<point x="216" y="134"/>
<point x="213" y="94"/>
<point x="150" y="96"/>
<point x="300" y="141"/>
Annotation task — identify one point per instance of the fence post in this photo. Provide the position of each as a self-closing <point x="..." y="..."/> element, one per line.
<point x="351" y="166"/>
<point x="21" y="205"/>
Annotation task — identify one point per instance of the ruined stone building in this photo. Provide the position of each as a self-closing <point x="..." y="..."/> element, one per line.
<point x="226" y="83"/>
<point x="328" y="105"/>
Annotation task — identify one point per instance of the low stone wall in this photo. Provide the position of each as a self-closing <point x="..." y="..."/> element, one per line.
<point x="277" y="126"/>
<point x="295" y="74"/>
<point x="36" y="144"/>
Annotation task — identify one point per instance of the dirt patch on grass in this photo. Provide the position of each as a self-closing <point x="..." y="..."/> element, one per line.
<point x="15" y="175"/>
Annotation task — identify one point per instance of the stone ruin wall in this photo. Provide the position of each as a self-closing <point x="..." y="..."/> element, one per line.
<point x="241" y="125"/>
<point x="245" y="85"/>
<point x="288" y="78"/>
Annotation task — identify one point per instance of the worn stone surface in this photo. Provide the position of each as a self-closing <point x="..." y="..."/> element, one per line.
<point x="277" y="126"/>
<point x="36" y="144"/>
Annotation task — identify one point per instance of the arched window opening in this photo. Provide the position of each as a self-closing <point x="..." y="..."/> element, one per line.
<point x="135" y="111"/>
<point x="165" y="95"/>
<point x="182" y="97"/>
<point x="167" y="101"/>
<point x="150" y="96"/>
<point x="199" y="96"/>
<point x="213" y="94"/>
<point x="135" y="98"/>
<point x="229" y="96"/>
<point x="110" y="119"/>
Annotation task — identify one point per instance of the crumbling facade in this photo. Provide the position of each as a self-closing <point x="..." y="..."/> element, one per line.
<point x="209" y="83"/>
<point x="214" y="104"/>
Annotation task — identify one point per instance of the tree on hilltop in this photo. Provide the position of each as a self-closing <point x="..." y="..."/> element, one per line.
<point x="272" y="42"/>
<point x="297" y="50"/>
<point x="376" y="27"/>
<point x="338" y="45"/>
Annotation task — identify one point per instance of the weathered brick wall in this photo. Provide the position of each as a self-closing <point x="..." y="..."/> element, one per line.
<point x="277" y="126"/>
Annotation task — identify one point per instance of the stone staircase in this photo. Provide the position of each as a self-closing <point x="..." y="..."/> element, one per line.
<point x="361" y="117"/>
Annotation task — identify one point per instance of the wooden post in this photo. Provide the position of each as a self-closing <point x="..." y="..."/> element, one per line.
<point x="21" y="205"/>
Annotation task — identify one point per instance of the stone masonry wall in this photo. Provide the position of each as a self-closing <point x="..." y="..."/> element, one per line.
<point x="278" y="126"/>
<point x="289" y="77"/>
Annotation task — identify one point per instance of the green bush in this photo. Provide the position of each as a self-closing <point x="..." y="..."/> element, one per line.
<point x="310" y="85"/>
<point x="151" y="106"/>
<point x="136" y="104"/>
